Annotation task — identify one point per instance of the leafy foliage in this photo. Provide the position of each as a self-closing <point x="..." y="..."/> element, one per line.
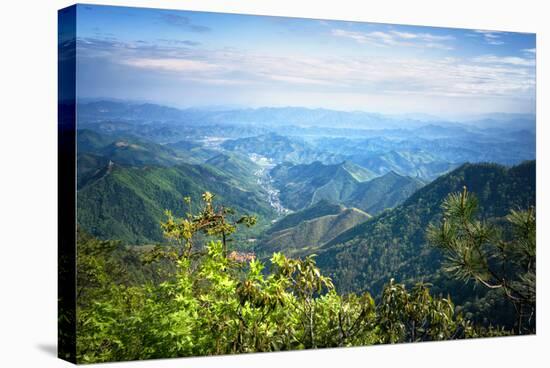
<point x="212" y="303"/>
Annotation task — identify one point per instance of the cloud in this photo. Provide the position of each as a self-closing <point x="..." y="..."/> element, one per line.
<point x="172" y="65"/>
<point x="530" y="51"/>
<point x="491" y="37"/>
<point x="180" y="42"/>
<point x="183" y="23"/>
<point x="256" y="73"/>
<point x="422" y="36"/>
<point x="512" y="60"/>
<point x="396" y="38"/>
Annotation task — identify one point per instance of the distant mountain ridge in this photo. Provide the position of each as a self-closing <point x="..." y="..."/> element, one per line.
<point x="300" y="116"/>
<point x="423" y="149"/>
<point x="280" y="149"/>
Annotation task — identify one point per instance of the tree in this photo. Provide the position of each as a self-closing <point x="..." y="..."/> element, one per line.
<point x="417" y="316"/>
<point x="497" y="256"/>
<point x="210" y="221"/>
<point x="217" y="303"/>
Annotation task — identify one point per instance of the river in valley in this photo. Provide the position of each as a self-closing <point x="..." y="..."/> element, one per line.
<point x="266" y="182"/>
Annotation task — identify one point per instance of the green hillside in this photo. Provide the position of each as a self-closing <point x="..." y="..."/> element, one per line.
<point x="128" y="203"/>
<point x="129" y="150"/>
<point x="321" y="208"/>
<point x="383" y="192"/>
<point x="236" y="165"/>
<point x="89" y="166"/>
<point x="91" y="141"/>
<point x="393" y="244"/>
<point x="307" y="234"/>
<point x="136" y="153"/>
<point x="345" y="183"/>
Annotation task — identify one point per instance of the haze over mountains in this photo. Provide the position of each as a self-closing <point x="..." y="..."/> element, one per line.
<point x="356" y="188"/>
<point x="271" y="117"/>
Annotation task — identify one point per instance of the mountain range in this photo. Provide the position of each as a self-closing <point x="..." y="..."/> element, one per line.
<point x="392" y="244"/>
<point x="352" y="185"/>
<point x="298" y="116"/>
<point x="357" y="189"/>
<point x="128" y="203"/>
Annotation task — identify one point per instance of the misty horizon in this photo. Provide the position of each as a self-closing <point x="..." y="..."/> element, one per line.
<point x="411" y="115"/>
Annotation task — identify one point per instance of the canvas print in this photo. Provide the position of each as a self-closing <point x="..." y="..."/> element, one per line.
<point x="240" y="184"/>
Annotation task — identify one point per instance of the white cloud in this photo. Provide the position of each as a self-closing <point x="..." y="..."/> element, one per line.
<point x="252" y="74"/>
<point x="422" y="36"/>
<point x="530" y="51"/>
<point x="485" y="75"/>
<point x="405" y="35"/>
<point x="512" y="60"/>
<point x="396" y="38"/>
<point x="491" y="37"/>
<point x="361" y="37"/>
<point x="175" y="65"/>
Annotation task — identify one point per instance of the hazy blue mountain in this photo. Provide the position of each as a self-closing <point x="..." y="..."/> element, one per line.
<point x="106" y="109"/>
<point x="408" y="145"/>
<point x="414" y="163"/>
<point x="97" y="110"/>
<point x="279" y="148"/>
<point x="513" y="121"/>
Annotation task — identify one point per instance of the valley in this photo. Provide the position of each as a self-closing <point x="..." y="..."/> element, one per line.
<point x="359" y="197"/>
<point x="265" y="181"/>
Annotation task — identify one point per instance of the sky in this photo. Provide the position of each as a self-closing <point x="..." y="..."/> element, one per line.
<point x="199" y="59"/>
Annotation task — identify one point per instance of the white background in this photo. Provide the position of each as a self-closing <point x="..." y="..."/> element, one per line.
<point x="28" y="180"/>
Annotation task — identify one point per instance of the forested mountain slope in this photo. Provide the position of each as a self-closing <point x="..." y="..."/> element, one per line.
<point x="128" y="150"/>
<point x="236" y="165"/>
<point x="307" y="230"/>
<point x="393" y="244"/>
<point x="346" y="183"/>
<point x="129" y="203"/>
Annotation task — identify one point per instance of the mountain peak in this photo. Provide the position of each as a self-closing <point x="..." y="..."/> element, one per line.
<point x="393" y="174"/>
